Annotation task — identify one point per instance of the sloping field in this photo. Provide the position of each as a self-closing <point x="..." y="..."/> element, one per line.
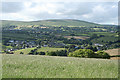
<point x="45" y="49"/>
<point x="25" y="51"/>
<point x="36" y="66"/>
<point x="42" y="49"/>
<point x="113" y="52"/>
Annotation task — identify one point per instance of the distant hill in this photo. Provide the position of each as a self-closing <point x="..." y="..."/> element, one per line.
<point x="53" y="22"/>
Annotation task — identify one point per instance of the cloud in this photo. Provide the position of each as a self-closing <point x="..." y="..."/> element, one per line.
<point x="99" y="12"/>
<point x="11" y="7"/>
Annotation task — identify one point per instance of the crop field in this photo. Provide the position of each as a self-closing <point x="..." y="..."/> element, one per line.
<point x="76" y="37"/>
<point x="112" y="51"/>
<point x="45" y="49"/>
<point x="37" y="66"/>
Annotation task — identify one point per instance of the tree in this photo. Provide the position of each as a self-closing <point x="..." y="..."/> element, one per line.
<point x="9" y="53"/>
<point x="41" y="53"/>
<point x="101" y="36"/>
<point x="33" y="52"/>
<point x="52" y="53"/>
<point x="94" y="36"/>
<point x="61" y="53"/>
<point x="82" y="53"/>
<point x="21" y="53"/>
<point x="102" y="54"/>
<point x="72" y="34"/>
<point x="91" y="47"/>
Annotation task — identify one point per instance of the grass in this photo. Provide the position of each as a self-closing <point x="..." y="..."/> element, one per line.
<point x="99" y="29"/>
<point x="103" y="33"/>
<point x="42" y="49"/>
<point x="0" y="66"/>
<point x="76" y="37"/>
<point x="37" y="66"/>
<point x="25" y="51"/>
<point x="55" y="22"/>
<point x="45" y="49"/>
<point x="105" y="39"/>
<point x="10" y="47"/>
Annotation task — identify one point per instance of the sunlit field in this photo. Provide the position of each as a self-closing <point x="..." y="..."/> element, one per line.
<point x="37" y="66"/>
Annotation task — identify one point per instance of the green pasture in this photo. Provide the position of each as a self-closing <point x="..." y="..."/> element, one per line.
<point x="37" y="66"/>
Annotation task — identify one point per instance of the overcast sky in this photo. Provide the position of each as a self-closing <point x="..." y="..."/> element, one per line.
<point x="98" y="12"/>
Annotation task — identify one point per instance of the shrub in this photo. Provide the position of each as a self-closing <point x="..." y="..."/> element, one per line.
<point x="21" y="53"/>
<point x="33" y="52"/>
<point x="30" y="53"/>
<point x="41" y="53"/>
<point x="57" y="53"/>
<point x="82" y="53"/>
<point x="9" y="53"/>
<point x="61" y="53"/>
<point x="102" y="54"/>
<point x="51" y="53"/>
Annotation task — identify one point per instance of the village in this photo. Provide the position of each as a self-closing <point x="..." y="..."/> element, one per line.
<point x="17" y="45"/>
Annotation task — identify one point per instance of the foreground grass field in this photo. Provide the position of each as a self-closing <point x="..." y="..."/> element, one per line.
<point x="36" y="66"/>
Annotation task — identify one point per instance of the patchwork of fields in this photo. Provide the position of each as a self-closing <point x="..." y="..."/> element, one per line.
<point x="37" y="66"/>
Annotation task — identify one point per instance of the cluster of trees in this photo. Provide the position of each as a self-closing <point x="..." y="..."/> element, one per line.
<point x="9" y="53"/>
<point x="33" y="52"/>
<point x="52" y="53"/>
<point x="57" y="53"/>
<point x="87" y="53"/>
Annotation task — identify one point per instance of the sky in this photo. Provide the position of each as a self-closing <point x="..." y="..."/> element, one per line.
<point x="97" y="12"/>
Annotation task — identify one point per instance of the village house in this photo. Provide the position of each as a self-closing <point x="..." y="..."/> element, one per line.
<point x="97" y="44"/>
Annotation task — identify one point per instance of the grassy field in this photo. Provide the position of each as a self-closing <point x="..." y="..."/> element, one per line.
<point x="45" y="49"/>
<point x="32" y="66"/>
<point x="103" y="33"/>
<point x="42" y="49"/>
<point x="104" y="39"/>
<point x="76" y="37"/>
<point x="99" y="29"/>
<point x="0" y="66"/>
<point x="25" y="51"/>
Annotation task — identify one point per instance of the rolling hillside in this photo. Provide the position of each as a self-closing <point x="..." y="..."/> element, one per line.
<point x="53" y="22"/>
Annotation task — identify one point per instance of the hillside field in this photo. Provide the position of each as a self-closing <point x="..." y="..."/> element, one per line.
<point x="113" y="52"/>
<point x="25" y="51"/>
<point x="45" y="49"/>
<point x="37" y="66"/>
<point x="42" y="49"/>
<point x="53" y="22"/>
